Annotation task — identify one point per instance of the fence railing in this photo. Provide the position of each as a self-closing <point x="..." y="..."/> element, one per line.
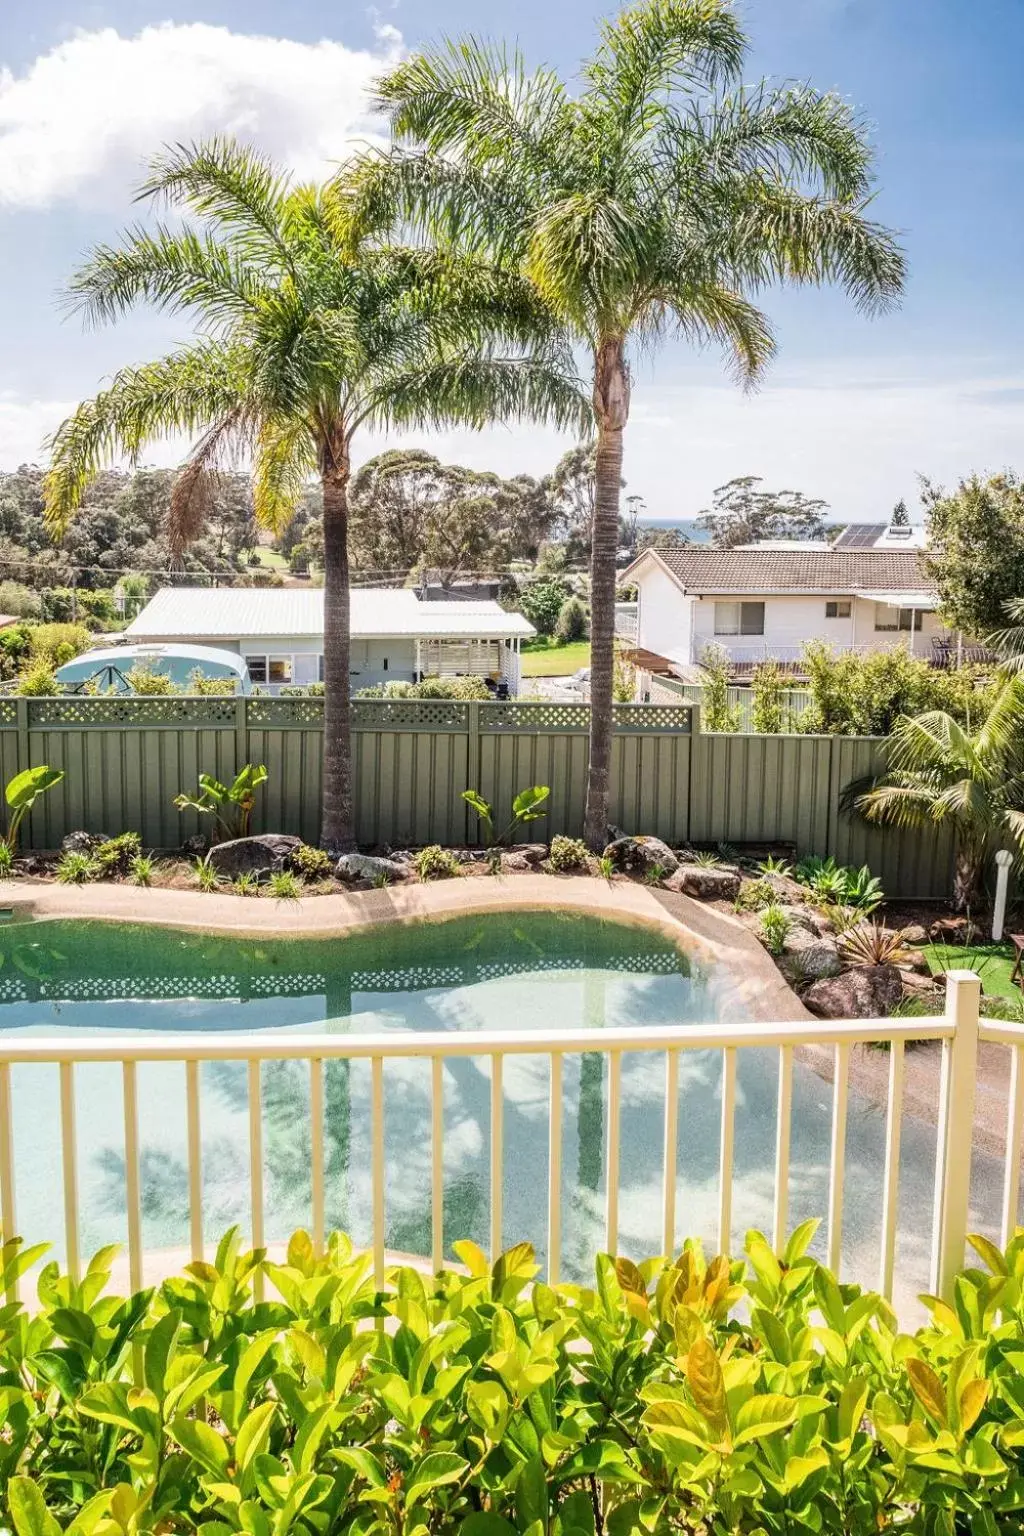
<point x="959" y="1029"/>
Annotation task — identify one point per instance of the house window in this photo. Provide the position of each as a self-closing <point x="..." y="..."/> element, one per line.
<point x="889" y="620"/>
<point x="739" y="618"/>
<point x="270" y="669"/>
<point x="839" y="610"/>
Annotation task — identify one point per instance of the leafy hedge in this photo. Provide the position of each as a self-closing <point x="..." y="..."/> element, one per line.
<point x="672" y="1397"/>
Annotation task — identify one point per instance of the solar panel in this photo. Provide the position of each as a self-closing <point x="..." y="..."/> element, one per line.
<point x="860" y="536"/>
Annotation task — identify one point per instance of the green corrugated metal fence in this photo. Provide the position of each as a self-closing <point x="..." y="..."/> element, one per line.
<point x="126" y="759"/>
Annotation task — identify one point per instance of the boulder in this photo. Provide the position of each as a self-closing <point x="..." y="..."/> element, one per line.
<point x="83" y="842"/>
<point x="806" y="954"/>
<point x="196" y="846"/>
<point x="865" y="992"/>
<point x="913" y="960"/>
<point x="514" y="861"/>
<point x="705" y="883"/>
<point x="533" y="853"/>
<point x="917" y="985"/>
<point x="368" y="866"/>
<point x="952" y="930"/>
<point x="640" y="855"/>
<point x="788" y="892"/>
<point x="808" y="919"/>
<point x="916" y="934"/>
<point x="252" y="855"/>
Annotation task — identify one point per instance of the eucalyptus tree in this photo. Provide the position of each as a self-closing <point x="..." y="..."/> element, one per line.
<point x="302" y="340"/>
<point x="658" y="198"/>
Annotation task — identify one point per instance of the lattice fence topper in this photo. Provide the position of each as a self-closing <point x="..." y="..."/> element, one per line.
<point x="8" y="712"/>
<point x="410" y="715"/>
<point x="629" y="719"/>
<point x="161" y="709"/>
<point x="261" y="710"/>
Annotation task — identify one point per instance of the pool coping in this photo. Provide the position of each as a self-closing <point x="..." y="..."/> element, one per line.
<point x="755" y="985"/>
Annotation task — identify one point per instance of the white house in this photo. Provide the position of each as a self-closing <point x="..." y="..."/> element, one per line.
<point x="759" y="603"/>
<point x="396" y="636"/>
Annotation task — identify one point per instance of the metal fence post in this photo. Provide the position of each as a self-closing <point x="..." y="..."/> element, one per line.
<point x="955" y="1130"/>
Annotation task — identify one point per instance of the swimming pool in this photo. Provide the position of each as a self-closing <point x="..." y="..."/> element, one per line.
<point x="517" y="970"/>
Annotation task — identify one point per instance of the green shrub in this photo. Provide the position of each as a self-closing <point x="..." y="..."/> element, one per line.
<point x="57" y="643"/>
<point x="38" y="681"/>
<point x="840" y="884"/>
<point x="140" y="870"/>
<point x="75" y="868"/>
<point x="716" y="712"/>
<point x="568" y="853"/>
<point x="767" y="694"/>
<point x="541" y="602"/>
<point x="671" y="1398"/>
<point x="207" y="877"/>
<point x="6" y="860"/>
<point x="864" y="695"/>
<point x="311" y="863"/>
<point x="754" y="895"/>
<point x="775" y="928"/>
<point x="435" y="863"/>
<point x="114" y="857"/>
<point x="283" y="885"/>
<point x="572" y="622"/>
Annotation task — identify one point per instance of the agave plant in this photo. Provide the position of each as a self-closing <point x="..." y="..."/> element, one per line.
<point x="873" y="944"/>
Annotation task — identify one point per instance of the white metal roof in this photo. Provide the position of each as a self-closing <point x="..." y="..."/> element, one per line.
<point x="201" y="613"/>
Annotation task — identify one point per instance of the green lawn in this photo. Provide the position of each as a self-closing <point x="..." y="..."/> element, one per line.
<point x="271" y="559"/>
<point x="547" y="659"/>
<point x="993" y="963"/>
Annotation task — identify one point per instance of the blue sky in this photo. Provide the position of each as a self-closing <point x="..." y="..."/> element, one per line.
<point x="853" y="410"/>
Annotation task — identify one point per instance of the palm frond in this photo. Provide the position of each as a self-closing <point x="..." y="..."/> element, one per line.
<point x="174" y="270"/>
<point x="183" y="393"/>
<point x="192" y="493"/>
<point x="475" y="96"/>
<point x="652" y="47"/>
<point x="284" y="459"/>
<point x="477" y="391"/>
<point x="231" y="184"/>
<point x="707" y="313"/>
<point x="782" y="235"/>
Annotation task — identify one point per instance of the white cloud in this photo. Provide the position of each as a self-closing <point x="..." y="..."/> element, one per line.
<point x="23" y="426"/>
<point x="80" y="123"/>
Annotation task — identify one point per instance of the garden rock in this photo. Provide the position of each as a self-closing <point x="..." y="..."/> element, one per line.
<point x="514" y="861"/>
<point x="806" y="954"/>
<point x="641" y="855"/>
<point x="787" y="892"/>
<point x="917" y="985"/>
<point x="705" y="883"/>
<point x="916" y="934"/>
<point x="196" y="846"/>
<point x="368" y="866"/>
<point x="83" y="842"/>
<point x="913" y="960"/>
<point x="865" y="992"/>
<point x="258" y="855"/>
<point x="807" y="919"/>
<point x="533" y="853"/>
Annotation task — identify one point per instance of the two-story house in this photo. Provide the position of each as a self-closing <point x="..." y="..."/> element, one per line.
<point x="764" y="602"/>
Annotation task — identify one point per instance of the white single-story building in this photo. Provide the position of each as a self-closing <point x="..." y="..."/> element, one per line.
<point x="396" y="637"/>
<point x="765" y="603"/>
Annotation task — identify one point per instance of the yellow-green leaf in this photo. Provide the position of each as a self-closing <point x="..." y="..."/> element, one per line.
<point x="704" y="1374"/>
<point x="928" y="1390"/>
<point x="762" y="1415"/>
<point x="972" y="1400"/>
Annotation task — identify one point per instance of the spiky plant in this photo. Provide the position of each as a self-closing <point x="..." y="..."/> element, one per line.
<point x="302" y="339"/>
<point x="654" y="199"/>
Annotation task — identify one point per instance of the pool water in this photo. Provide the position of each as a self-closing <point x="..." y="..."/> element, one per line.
<point x="533" y="971"/>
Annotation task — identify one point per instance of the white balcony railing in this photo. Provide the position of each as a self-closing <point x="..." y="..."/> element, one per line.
<point x="626" y="621"/>
<point x="746" y="652"/>
<point x="959" y="1029"/>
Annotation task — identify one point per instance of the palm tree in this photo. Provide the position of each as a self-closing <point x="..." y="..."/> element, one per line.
<point x="941" y="774"/>
<point x="300" y="343"/>
<point x="654" y="201"/>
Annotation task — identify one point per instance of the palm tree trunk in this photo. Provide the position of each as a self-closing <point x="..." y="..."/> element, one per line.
<point x="967" y="871"/>
<point x="337" y="833"/>
<point x="611" y="409"/>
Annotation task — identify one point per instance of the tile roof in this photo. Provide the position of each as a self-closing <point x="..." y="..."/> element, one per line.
<point x="181" y="613"/>
<point x="753" y="571"/>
